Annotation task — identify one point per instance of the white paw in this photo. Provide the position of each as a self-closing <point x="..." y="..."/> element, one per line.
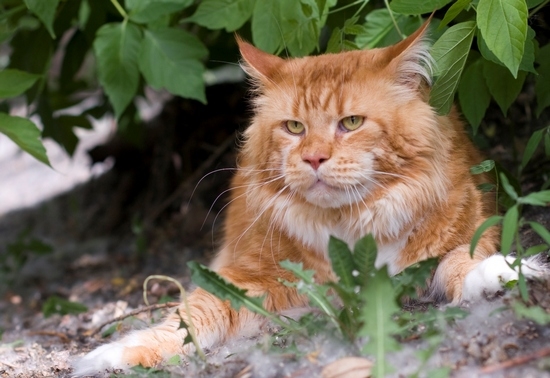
<point x="107" y="356"/>
<point x="493" y="273"/>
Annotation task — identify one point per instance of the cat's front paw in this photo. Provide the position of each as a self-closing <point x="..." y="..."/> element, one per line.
<point x="493" y="273"/>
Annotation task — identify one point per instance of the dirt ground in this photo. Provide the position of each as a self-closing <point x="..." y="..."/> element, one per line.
<point x="106" y="237"/>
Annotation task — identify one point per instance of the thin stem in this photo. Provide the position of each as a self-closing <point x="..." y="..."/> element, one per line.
<point x="120" y="9"/>
<point x="540" y="6"/>
<point x="347" y="6"/>
<point x="361" y="8"/>
<point x="8" y="13"/>
<point x="393" y="20"/>
<point x="190" y="327"/>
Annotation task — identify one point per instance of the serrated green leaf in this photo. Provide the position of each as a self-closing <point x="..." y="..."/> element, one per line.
<point x="541" y="230"/>
<point x="214" y="284"/>
<point x="509" y="229"/>
<point x="15" y="82"/>
<point x="450" y="53"/>
<point x="342" y="263"/>
<point x="267" y="34"/>
<point x="378" y="323"/>
<point x="454" y="10"/>
<point x="414" y="7"/>
<point x="488" y="223"/>
<point x="541" y="198"/>
<point x="483" y="167"/>
<point x="144" y="11"/>
<point x="364" y="254"/>
<point x="473" y="94"/>
<point x="117" y="48"/>
<point x="45" y="10"/>
<point x="502" y="85"/>
<point x="25" y="134"/>
<point x="503" y="25"/>
<point x="220" y="14"/>
<point x="171" y="58"/>
<point x="531" y="147"/>
<point x="542" y="81"/>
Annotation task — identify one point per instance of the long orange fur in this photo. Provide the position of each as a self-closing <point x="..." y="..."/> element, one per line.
<point x="403" y="176"/>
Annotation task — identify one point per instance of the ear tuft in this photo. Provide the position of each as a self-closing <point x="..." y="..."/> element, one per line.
<point x="257" y="64"/>
<point x="411" y="61"/>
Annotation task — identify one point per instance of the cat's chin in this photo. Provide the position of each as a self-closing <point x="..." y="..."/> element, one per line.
<point x="324" y="195"/>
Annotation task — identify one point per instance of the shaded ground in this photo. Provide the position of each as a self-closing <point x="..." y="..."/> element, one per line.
<point x="144" y="217"/>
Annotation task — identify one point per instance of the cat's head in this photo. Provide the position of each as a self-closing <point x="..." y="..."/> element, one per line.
<point x="336" y="129"/>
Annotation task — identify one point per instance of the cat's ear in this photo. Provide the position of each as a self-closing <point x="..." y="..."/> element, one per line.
<point x="258" y="64"/>
<point x="410" y="61"/>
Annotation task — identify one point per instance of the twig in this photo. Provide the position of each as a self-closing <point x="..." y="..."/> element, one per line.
<point x="520" y="360"/>
<point x="61" y="335"/>
<point x="189" y="183"/>
<point x="135" y="312"/>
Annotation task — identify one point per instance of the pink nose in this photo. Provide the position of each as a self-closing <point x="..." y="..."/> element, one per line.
<point x="315" y="159"/>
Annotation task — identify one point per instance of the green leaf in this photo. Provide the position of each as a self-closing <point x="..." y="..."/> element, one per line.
<point x="535" y="313"/>
<point x="317" y="294"/>
<point x="533" y="3"/>
<point x="109" y="331"/>
<point x="301" y="22"/>
<point x="144" y="11"/>
<point x="267" y="34"/>
<point x="502" y="85"/>
<point x="489" y="222"/>
<point x="25" y="134"/>
<point x="454" y="11"/>
<point x="57" y="305"/>
<point x="171" y="58"/>
<point x="509" y="229"/>
<point x="219" y="14"/>
<point x="15" y="82"/>
<point x="45" y="10"/>
<point x="528" y="59"/>
<point x="415" y="7"/>
<point x="473" y="94"/>
<point x="535" y="250"/>
<point x="117" y="47"/>
<point x="342" y="263"/>
<point x="531" y="147"/>
<point x="541" y="230"/>
<point x="450" y="53"/>
<point x="214" y="284"/>
<point x="379" y="29"/>
<point x="364" y="254"/>
<point x="75" y="52"/>
<point x="542" y="81"/>
<point x="378" y="323"/>
<point x="541" y="198"/>
<point x="503" y="25"/>
<point x="508" y="188"/>
<point x="483" y="167"/>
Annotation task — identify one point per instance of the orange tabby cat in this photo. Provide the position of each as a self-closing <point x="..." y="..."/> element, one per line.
<point x="345" y="145"/>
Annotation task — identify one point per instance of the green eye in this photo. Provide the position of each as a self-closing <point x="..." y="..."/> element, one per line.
<point x="295" y="127"/>
<point x="352" y="122"/>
